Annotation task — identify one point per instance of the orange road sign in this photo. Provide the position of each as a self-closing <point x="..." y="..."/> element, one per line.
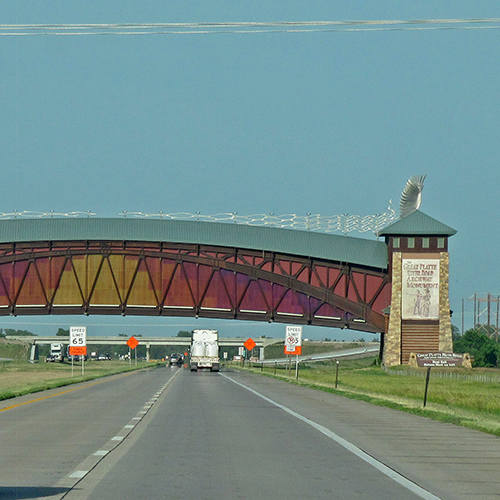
<point x="77" y="350"/>
<point x="297" y="350"/>
<point x="249" y="344"/>
<point x="132" y="342"/>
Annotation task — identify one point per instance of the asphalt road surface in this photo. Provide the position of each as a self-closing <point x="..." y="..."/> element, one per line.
<point x="168" y="433"/>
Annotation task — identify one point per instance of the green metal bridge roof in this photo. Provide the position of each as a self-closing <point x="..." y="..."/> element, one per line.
<point x="337" y="248"/>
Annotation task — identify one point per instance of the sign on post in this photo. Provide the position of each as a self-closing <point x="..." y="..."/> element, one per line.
<point x="293" y="344"/>
<point x="132" y="342"/>
<point x="78" y="344"/>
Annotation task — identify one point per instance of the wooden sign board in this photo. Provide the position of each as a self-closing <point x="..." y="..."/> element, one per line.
<point x="439" y="359"/>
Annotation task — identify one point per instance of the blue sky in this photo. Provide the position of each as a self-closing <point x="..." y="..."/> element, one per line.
<point x="301" y="123"/>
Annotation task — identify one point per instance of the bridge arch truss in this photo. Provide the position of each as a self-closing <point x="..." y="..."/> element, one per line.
<point x="181" y="279"/>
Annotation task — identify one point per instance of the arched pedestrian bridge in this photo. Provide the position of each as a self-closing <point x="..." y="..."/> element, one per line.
<point x="155" y="267"/>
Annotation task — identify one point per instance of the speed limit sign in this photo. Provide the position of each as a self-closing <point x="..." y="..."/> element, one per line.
<point x="293" y="337"/>
<point x="78" y="340"/>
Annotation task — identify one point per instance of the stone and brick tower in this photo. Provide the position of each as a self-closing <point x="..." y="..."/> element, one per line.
<point x="419" y="319"/>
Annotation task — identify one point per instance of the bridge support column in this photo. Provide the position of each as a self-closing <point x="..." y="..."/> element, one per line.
<point x="148" y="352"/>
<point x="34" y="357"/>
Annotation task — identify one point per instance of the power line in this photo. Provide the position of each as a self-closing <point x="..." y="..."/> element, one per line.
<point x="245" y="27"/>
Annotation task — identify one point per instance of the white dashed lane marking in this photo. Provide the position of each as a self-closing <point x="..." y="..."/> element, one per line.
<point x="87" y="465"/>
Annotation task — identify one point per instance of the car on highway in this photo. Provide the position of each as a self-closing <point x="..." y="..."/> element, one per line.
<point x="50" y="359"/>
<point x="176" y="359"/>
<point x="77" y="357"/>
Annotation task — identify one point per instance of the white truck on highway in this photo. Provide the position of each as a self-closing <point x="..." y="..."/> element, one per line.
<point x="56" y="353"/>
<point x="204" y="350"/>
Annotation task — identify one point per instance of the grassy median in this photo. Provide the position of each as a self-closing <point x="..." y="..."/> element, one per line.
<point x="470" y="398"/>
<point x="19" y="378"/>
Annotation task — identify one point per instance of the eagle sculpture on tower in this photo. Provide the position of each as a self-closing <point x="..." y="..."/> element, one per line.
<point x="411" y="196"/>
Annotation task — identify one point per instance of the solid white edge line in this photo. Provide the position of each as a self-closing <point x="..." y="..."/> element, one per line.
<point x="79" y="474"/>
<point x="391" y="473"/>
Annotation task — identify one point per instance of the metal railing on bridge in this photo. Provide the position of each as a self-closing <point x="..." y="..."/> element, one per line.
<point x="344" y="223"/>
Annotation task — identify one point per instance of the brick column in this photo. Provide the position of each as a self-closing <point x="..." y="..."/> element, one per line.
<point x="392" y="342"/>
<point x="445" y="336"/>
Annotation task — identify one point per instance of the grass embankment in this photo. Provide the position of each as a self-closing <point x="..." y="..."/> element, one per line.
<point x="313" y="347"/>
<point x="460" y="400"/>
<point x="19" y="378"/>
<point x="14" y="350"/>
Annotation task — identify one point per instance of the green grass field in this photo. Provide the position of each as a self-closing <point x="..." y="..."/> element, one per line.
<point x="462" y="401"/>
<point x="19" y="378"/>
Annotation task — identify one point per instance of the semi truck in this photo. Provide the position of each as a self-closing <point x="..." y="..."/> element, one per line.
<point x="204" y="350"/>
<point x="56" y="353"/>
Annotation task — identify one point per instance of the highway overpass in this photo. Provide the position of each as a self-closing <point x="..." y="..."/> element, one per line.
<point x="147" y="341"/>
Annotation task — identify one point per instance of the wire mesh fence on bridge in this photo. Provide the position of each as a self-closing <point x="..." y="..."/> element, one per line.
<point x="342" y="223"/>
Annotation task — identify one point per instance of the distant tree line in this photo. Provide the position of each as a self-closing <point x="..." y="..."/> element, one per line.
<point x="19" y="333"/>
<point x="484" y="350"/>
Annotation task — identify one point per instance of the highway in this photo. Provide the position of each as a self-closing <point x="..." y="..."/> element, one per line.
<point x="169" y="433"/>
